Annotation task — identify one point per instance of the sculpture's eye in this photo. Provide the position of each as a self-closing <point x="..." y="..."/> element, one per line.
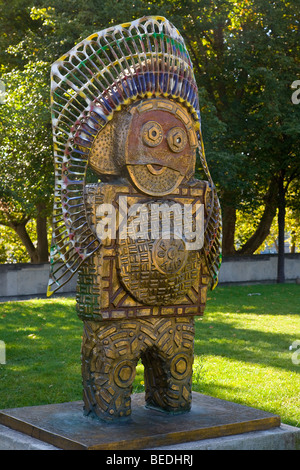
<point x="152" y="133"/>
<point x="177" y="139"/>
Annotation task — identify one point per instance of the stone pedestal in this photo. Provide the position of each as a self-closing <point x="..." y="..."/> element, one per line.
<point x="65" y="426"/>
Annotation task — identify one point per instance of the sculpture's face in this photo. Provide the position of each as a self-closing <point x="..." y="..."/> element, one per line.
<point x="156" y="140"/>
<point x="160" y="148"/>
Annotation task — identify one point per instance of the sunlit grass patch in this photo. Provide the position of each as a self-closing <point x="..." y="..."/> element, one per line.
<point x="242" y="350"/>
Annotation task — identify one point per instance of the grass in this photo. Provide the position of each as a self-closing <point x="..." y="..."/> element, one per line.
<point x="242" y="350"/>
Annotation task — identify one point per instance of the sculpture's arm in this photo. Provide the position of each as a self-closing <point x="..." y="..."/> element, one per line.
<point x="73" y="238"/>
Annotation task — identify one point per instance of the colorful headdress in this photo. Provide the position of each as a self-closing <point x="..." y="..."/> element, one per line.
<point x="96" y="78"/>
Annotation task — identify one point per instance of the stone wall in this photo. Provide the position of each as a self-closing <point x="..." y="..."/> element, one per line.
<point x="27" y="279"/>
<point x="20" y="280"/>
<point x="258" y="268"/>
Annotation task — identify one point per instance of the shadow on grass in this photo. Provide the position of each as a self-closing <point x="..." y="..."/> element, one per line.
<point x="274" y="299"/>
<point x="264" y="348"/>
<point x="231" y="324"/>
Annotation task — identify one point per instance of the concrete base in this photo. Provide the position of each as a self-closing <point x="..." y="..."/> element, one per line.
<point x="15" y="440"/>
<point x="282" y="438"/>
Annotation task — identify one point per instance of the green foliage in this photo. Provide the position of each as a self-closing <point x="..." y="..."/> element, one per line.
<point x="11" y="250"/>
<point x="25" y="142"/>
<point x="245" y="56"/>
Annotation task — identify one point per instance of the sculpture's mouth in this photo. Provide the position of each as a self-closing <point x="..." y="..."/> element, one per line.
<point x="154" y="179"/>
<point x="156" y="169"/>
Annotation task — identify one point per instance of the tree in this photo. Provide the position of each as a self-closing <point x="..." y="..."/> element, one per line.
<point x="245" y="56"/>
<point x="25" y="157"/>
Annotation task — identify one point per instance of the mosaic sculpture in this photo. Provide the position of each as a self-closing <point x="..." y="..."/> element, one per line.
<point x="125" y="105"/>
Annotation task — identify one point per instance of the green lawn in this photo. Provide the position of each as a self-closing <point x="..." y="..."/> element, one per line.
<point x="242" y="350"/>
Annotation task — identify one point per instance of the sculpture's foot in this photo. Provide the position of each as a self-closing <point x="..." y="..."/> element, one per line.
<point x="168" y="382"/>
<point x="109" y="400"/>
<point x="107" y="407"/>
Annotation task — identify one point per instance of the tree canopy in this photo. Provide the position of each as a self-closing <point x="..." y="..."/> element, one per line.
<point x="246" y="58"/>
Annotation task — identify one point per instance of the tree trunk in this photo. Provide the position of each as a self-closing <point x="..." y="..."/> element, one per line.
<point x="228" y="229"/>
<point x="293" y="242"/>
<point x="21" y="231"/>
<point x="265" y="223"/>
<point x="42" y="239"/>
<point x="38" y="254"/>
<point x="281" y="228"/>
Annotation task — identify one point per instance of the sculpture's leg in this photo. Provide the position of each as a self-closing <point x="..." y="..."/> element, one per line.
<point x="108" y="370"/>
<point x="168" y="366"/>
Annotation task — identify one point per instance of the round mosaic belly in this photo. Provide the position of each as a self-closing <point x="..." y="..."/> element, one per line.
<point x="157" y="271"/>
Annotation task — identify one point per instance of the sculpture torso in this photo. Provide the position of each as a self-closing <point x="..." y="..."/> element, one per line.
<point x="136" y="278"/>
